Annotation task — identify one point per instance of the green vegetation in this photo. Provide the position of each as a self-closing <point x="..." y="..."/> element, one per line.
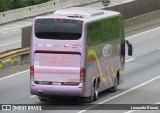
<point x="6" y="5"/>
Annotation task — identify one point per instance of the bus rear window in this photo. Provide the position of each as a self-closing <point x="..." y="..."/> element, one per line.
<point x="58" y="29"/>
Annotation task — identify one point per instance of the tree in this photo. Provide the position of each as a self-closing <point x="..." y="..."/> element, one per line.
<point x="5" y="5"/>
<point x="16" y="4"/>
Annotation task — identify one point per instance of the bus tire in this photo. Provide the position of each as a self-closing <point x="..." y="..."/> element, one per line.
<point x="91" y="98"/>
<point x="95" y="95"/>
<point x="96" y="92"/>
<point x="42" y="99"/>
<point x="114" y="88"/>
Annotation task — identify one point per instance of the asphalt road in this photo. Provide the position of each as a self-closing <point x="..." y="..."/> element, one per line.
<point x="10" y="34"/>
<point x="141" y="82"/>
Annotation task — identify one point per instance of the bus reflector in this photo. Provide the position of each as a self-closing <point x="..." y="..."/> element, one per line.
<point x="82" y="74"/>
<point x="31" y="70"/>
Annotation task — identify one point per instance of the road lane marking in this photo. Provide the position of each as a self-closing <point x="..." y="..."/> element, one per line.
<point x="131" y="111"/>
<point x="158" y="48"/>
<point x="33" y="96"/>
<point x="130" y="60"/>
<point x="118" y="95"/>
<point x="10" y="43"/>
<point x="4" y="33"/>
<point x="16" y="29"/>
<point x="142" y="33"/>
<point x="14" y="74"/>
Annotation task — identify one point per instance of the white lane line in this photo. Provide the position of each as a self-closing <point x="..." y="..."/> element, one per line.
<point x="130" y="60"/>
<point x="131" y="111"/>
<point x="142" y="33"/>
<point x="158" y="48"/>
<point x="4" y="33"/>
<point x="10" y="43"/>
<point x="118" y="95"/>
<point x="14" y="74"/>
<point x="6" y="28"/>
<point x="16" y="29"/>
<point x="32" y="96"/>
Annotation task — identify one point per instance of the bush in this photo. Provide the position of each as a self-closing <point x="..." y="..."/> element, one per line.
<point x="6" y="5"/>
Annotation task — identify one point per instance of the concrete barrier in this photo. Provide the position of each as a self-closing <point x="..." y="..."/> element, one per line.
<point x="35" y="10"/>
<point x="142" y="21"/>
<point x="136" y="8"/>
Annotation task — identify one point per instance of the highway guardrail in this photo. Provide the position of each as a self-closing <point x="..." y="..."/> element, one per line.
<point x="12" y="54"/>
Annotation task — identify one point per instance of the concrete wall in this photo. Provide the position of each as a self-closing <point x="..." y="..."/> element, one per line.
<point x="142" y="21"/>
<point x="26" y="12"/>
<point x="136" y="8"/>
<point x="26" y="36"/>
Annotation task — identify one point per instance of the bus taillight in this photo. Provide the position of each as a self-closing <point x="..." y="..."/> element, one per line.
<point x="82" y="74"/>
<point x="31" y="71"/>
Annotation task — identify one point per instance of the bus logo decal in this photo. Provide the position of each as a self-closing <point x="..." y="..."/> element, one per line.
<point x="49" y="45"/>
<point x="40" y="45"/>
<point x="107" y="50"/>
<point x="57" y="46"/>
<point x="74" y="46"/>
<point x="81" y="46"/>
<point x="66" y="45"/>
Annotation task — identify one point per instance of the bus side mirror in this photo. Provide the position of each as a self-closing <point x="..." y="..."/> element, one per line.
<point x="123" y="48"/>
<point x="130" y="48"/>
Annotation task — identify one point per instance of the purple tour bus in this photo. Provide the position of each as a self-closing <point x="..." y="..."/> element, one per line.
<point x="77" y="52"/>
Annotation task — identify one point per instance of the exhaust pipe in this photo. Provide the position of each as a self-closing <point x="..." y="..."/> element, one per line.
<point x="40" y="92"/>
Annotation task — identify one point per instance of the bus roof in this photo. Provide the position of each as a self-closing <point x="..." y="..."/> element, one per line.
<point x="79" y="13"/>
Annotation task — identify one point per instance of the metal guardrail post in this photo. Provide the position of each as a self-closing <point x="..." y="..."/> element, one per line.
<point x="1" y="65"/>
<point x="12" y="61"/>
<point x="11" y="55"/>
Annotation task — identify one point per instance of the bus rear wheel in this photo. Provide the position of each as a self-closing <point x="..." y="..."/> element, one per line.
<point x="114" y="88"/>
<point x="42" y="99"/>
<point x="94" y="95"/>
<point x="96" y="92"/>
<point x="91" y="98"/>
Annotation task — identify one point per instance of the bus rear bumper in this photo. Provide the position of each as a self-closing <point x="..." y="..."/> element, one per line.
<point x="57" y="90"/>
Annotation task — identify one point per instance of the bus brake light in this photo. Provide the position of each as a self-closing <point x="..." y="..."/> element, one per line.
<point x="82" y="74"/>
<point x="31" y="71"/>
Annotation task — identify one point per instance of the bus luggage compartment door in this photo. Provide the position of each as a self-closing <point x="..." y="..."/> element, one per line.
<point x="57" y="67"/>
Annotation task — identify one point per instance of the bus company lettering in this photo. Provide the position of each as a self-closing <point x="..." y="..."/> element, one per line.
<point x="57" y="58"/>
<point x="73" y="80"/>
<point x="56" y="70"/>
<point x="56" y="62"/>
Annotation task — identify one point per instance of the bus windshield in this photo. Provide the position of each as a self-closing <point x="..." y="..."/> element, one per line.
<point x="58" y="29"/>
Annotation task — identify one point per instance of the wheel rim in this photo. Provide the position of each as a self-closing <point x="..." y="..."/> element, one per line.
<point x="96" y="95"/>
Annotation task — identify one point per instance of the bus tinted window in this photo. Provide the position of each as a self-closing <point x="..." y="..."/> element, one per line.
<point x="59" y="29"/>
<point x="105" y="30"/>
